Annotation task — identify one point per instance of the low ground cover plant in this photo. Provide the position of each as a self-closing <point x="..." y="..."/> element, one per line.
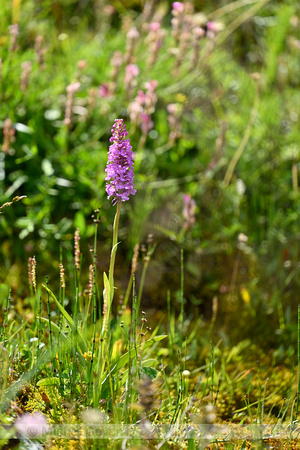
<point x="148" y="286"/>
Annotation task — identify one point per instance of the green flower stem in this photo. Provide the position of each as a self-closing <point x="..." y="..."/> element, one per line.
<point x="143" y="277"/>
<point x="128" y="290"/>
<point x="114" y="251"/>
<point x="109" y="300"/>
<point x="142" y="282"/>
<point x="111" y="270"/>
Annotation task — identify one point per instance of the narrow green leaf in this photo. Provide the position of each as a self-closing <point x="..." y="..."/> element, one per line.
<point x="114" y="249"/>
<point x="106" y="292"/>
<point x="62" y="309"/>
<point x="69" y="319"/>
<point x="52" y="381"/>
<point x="123" y="360"/>
<point x="55" y="327"/>
<point x="149" y="362"/>
<point x="149" y="372"/>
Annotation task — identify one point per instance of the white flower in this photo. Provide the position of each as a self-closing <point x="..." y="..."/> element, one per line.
<point x="240" y="187"/>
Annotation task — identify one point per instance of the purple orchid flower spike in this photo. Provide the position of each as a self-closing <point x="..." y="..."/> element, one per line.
<point x="119" y="168"/>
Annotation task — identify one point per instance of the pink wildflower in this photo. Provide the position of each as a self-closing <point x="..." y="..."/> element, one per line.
<point x="26" y="69"/>
<point x="155" y="40"/>
<point x="178" y="6"/>
<point x="9" y="135"/>
<point x="104" y="90"/>
<point x="32" y="425"/>
<point x="131" y="73"/>
<point x="146" y="123"/>
<point x="71" y="90"/>
<point x="14" y="33"/>
<point x="189" y="206"/>
<point x="132" y="37"/>
<point x="119" y="167"/>
<point x="174" y="122"/>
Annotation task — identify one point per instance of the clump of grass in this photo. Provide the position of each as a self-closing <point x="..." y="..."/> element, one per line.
<point x="134" y="379"/>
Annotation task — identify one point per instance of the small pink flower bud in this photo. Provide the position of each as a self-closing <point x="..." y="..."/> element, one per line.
<point x="178" y="6"/>
<point x="133" y="34"/>
<point x="211" y="26"/>
<point x="154" y="26"/>
<point x="73" y="87"/>
<point x="189" y="206"/>
<point x="132" y="70"/>
<point x="104" y="90"/>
